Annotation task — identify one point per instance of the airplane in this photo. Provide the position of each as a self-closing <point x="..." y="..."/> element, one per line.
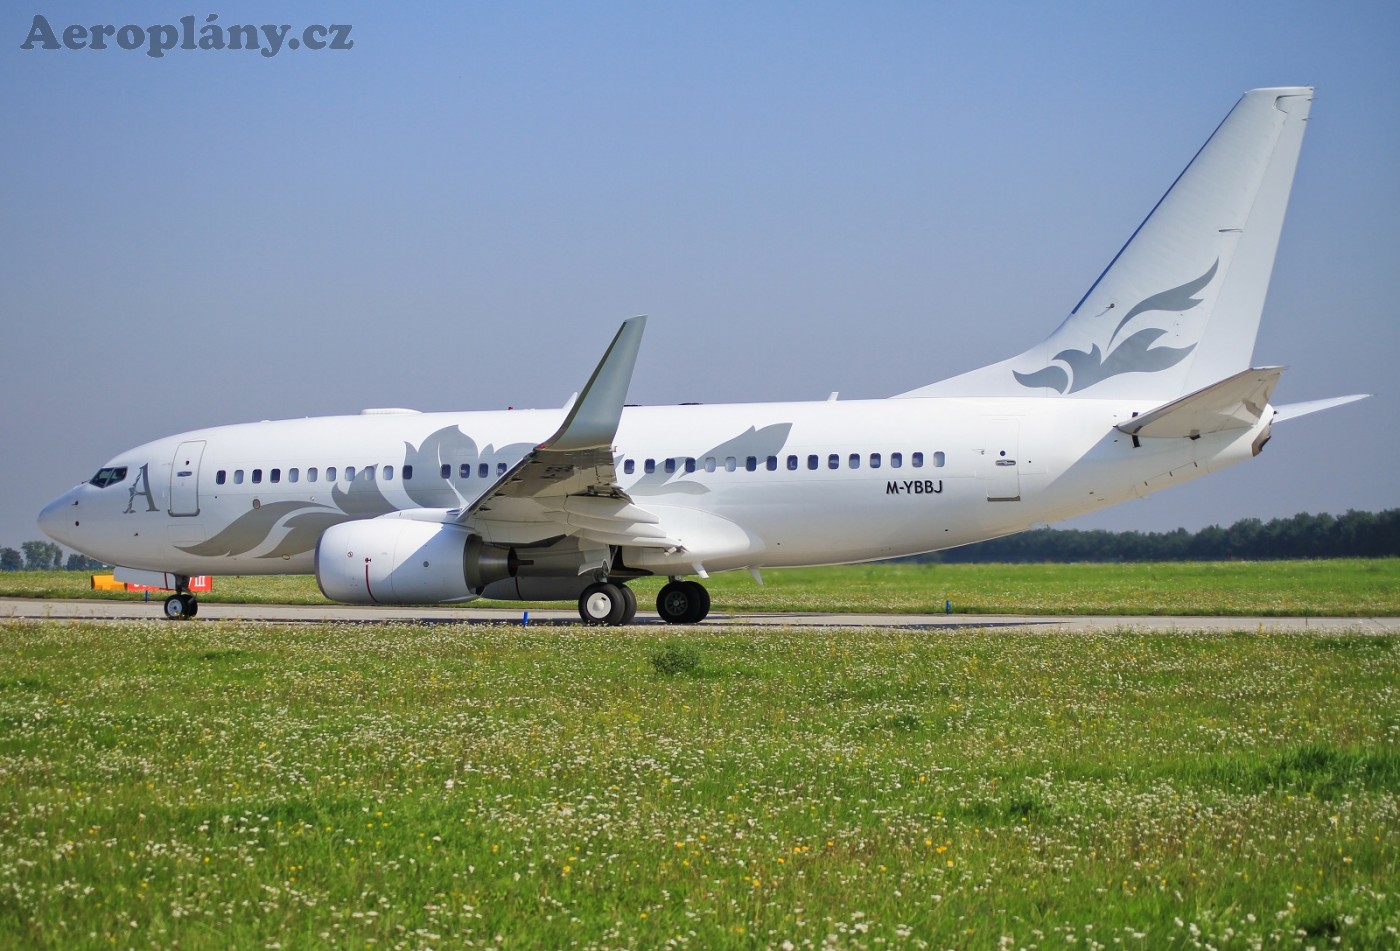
<point x="1146" y="384"/>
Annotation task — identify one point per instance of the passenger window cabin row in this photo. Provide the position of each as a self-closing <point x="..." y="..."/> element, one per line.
<point x="484" y="470"/>
<point x="312" y="474"/>
<point x="791" y="463"/>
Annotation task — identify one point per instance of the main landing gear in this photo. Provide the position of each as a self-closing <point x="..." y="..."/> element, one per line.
<point x="181" y="605"/>
<point x="607" y="604"/>
<point x="683" y="602"/>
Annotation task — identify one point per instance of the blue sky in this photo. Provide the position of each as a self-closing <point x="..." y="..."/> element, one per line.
<point x="806" y="197"/>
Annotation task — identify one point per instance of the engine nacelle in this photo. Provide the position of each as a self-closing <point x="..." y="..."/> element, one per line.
<point x="403" y="561"/>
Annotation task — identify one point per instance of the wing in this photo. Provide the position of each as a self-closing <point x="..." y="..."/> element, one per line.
<point x="568" y="484"/>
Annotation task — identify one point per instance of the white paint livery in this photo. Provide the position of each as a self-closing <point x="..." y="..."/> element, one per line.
<point x="1146" y="384"/>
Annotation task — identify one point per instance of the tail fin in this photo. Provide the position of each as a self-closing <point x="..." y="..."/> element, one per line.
<point x="1177" y="309"/>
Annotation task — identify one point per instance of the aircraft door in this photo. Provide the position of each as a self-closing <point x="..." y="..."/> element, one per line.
<point x="184" y="478"/>
<point x="1001" y="469"/>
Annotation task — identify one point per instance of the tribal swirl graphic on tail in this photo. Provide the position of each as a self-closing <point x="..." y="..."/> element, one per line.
<point x="1134" y="354"/>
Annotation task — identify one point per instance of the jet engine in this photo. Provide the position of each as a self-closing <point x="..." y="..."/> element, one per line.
<point x="403" y="561"/>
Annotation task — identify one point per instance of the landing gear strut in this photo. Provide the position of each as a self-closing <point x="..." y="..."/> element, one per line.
<point x="181" y="605"/>
<point x="605" y="603"/>
<point x="683" y="602"/>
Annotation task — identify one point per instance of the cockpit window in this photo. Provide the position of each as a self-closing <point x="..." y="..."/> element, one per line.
<point x="110" y="475"/>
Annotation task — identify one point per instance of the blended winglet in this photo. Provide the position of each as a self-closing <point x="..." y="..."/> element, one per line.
<point x="594" y="416"/>
<point x="578" y="458"/>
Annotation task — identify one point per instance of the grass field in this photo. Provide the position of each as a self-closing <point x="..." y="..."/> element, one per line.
<point x="1341" y="587"/>
<point x="225" y="785"/>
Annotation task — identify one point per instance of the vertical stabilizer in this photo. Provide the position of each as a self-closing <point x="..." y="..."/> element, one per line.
<point x="1177" y="309"/>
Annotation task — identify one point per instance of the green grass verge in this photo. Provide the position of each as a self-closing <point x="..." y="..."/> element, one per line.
<point x="1325" y="588"/>
<point x="225" y="785"/>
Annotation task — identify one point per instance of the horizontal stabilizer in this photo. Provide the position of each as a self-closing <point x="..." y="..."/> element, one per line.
<point x="1236" y="402"/>
<point x="1294" y="410"/>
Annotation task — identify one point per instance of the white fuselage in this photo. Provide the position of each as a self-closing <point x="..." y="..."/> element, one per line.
<point x="770" y="485"/>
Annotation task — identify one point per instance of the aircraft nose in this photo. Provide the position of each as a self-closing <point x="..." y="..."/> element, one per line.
<point x="60" y="520"/>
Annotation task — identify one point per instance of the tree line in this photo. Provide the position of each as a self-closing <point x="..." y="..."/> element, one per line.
<point x="1353" y="535"/>
<point x="44" y="556"/>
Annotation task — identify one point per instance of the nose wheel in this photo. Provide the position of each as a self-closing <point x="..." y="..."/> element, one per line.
<point x="178" y="607"/>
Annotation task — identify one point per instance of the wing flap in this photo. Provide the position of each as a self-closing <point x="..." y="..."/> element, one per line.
<point x="606" y="520"/>
<point x="599" y="529"/>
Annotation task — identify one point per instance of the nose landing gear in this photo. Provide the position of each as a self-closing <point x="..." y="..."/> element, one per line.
<point x="181" y="605"/>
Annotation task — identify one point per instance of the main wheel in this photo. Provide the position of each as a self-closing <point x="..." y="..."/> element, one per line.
<point x="191" y="604"/>
<point x="602" y="603"/>
<point x="175" y="608"/>
<point x="700" y="600"/>
<point x="683" y="602"/>
<point x="629" y="611"/>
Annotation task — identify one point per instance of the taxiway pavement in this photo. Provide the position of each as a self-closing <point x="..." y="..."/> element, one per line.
<point x="103" y="610"/>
